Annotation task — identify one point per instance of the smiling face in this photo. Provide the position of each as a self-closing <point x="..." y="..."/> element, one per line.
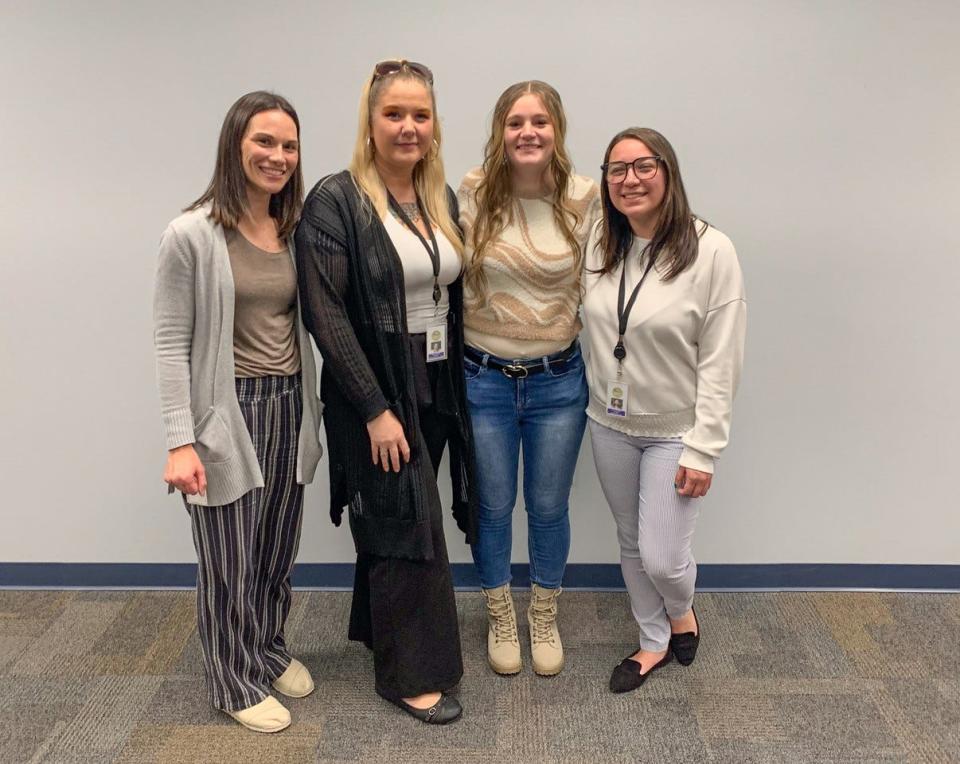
<point x="528" y="135"/>
<point x="401" y="124"/>
<point x="269" y="151"/>
<point x="638" y="200"/>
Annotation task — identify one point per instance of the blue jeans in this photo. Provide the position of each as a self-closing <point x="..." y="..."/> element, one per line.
<point x="545" y="412"/>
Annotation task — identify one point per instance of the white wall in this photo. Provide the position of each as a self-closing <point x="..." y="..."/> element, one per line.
<point x="820" y="136"/>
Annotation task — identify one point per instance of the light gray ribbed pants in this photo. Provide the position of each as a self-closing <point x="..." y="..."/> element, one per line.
<point x="654" y="527"/>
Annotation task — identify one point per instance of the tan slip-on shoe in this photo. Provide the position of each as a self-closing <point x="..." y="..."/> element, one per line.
<point x="545" y="645"/>
<point x="503" y="644"/>
<point x="295" y="682"/>
<point x="269" y="715"/>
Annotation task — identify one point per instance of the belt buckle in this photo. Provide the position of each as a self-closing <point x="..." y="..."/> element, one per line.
<point x="515" y="371"/>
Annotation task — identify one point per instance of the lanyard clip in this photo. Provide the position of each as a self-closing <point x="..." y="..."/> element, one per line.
<point x="620" y="352"/>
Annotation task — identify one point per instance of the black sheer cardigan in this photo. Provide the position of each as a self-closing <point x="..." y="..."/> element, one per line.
<point x="353" y="302"/>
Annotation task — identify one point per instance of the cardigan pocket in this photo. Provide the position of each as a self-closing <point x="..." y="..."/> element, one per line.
<point x="385" y="495"/>
<point x="214" y="443"/>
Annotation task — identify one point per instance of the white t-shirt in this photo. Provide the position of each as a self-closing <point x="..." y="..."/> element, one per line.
<point x="418" y="274"/>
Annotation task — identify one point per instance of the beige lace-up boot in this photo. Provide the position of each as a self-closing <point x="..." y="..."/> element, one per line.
<point x="503" y="645"/>
<point x="544" y="637"/>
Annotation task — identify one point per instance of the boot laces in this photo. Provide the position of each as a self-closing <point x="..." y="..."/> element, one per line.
<point x="544" y="615"/>
<point x="504" y="623"/>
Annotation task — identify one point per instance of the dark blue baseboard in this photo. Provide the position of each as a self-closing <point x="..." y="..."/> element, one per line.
<point x="578" y="576"/>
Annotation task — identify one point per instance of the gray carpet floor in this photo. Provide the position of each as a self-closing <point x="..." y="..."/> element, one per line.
<point x="840" y="677"/>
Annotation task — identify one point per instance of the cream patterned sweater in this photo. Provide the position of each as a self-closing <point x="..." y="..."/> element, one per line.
<point x="533" y="290"/>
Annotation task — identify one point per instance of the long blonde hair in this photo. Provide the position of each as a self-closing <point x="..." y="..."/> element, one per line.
<point x="429" y="179"/>
<point x="494" y="193"/>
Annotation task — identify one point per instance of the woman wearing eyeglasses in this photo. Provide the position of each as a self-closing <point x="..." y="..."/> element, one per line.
<point x="665" y="315"/>
<point x="238" y="394"/>
<point x="525" y="217"/>
<point x="379" y="257"/>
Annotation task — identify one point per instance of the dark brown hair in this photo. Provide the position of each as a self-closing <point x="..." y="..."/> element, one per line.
<point x="676" y="236"/>
<point x="227" y="192"/>
<point x="494" y="193"/>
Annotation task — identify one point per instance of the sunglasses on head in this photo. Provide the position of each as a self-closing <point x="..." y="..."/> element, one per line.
<point x="386" y="68"/>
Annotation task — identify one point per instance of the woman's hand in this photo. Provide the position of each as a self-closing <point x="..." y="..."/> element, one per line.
<point x="692" y="483"/>
<point x="185" y="472"/>
<point x="387" y="441"/>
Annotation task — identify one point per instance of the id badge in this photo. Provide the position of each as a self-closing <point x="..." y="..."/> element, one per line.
<point x="617" y="395"/>
<point x="437" y="343"/>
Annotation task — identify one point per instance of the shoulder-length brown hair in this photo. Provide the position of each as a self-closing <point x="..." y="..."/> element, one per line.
<point x="227" y="192"/>
<point x="494" y="193"/>
<point x="676" y="237"/>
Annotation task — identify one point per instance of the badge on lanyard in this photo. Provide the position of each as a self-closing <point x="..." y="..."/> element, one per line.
<point x="617" y="396"/>
<point x="437" y="333"/>
<point x="437" y="342"/>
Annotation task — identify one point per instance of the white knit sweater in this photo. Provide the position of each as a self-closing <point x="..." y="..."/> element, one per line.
<point x="684" y="344"/>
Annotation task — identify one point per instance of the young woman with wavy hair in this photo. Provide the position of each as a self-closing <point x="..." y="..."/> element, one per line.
<point x="525" y="217"/>
<point x="380" y="261"/>
<point x="665" y="315"/>
<point x="238" y="394"/>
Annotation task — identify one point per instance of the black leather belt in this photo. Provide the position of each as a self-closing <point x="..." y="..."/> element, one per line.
<point x="519" y="369"/>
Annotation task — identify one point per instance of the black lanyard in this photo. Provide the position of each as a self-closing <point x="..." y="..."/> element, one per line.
<point x="433" y="251"/>
<point x="623" y="315"/>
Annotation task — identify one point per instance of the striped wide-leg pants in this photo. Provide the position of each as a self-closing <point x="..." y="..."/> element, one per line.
<point x="655" y="527"/>
<point x="245" y="553"/>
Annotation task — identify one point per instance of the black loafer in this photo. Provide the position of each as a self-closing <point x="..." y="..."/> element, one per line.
<point x="626" y="676"/>
<point x="444" y="711"/>
<point x="684" y="646"/>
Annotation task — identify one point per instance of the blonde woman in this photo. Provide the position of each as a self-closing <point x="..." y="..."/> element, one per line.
<point x="380" y="260"/>
<point x="525" y="217"/>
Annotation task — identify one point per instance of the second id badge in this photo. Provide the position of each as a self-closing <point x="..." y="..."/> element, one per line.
<point x="437" y="342"/>
<point x="617" y="395"/>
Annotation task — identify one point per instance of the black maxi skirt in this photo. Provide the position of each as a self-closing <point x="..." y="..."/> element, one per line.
<point x="404" y="610"/>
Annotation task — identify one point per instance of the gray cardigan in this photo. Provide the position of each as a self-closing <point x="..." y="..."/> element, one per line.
<point x="193" y="334"/>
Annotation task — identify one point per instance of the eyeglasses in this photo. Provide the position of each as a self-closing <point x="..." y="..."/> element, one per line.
<point x="386" y="68"/>
<point x="644" y="168"/>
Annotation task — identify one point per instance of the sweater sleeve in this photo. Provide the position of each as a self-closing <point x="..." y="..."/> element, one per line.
<point x="173" y="312"/>
<point x="719" y="360"/>
<point x="594" y="212"/>
<point x="467" y="204"/>
<point x="323" y="272"/>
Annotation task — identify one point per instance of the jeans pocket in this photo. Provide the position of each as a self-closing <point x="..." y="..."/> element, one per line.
<point x="573" y="365"/>
<point x="472" y="370"/>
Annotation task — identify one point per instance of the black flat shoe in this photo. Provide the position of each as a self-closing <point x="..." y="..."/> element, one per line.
<point x="626" y="676"/>
<point x="684" y="646"/>
<point x="444" y="711"/>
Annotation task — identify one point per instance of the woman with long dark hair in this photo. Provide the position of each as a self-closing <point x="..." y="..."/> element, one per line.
<point x="238" y="395"/>
<point x="525" y="217"/>
<point x="665" y="314"/>
<point x="380" y="260"/>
